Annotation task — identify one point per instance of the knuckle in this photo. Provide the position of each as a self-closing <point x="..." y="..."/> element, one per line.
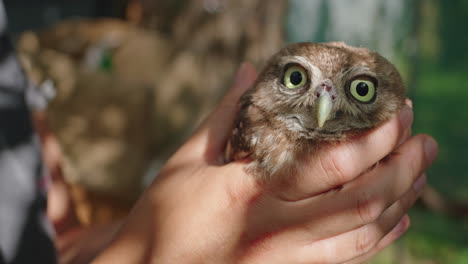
<point x="365" y="241"/>
<point x="388" y="133"/>
<point x="414" y="165"/>
<point x="413" y="160"/>
<point x="393" y="130"/>
<point x="368" y="210"/>
<point x="333" y="169"/>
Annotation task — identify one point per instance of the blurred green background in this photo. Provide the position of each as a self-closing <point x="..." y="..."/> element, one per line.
<point x="425" y="39"/>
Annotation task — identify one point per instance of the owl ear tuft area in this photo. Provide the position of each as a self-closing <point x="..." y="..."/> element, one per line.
<point x="339" y="44"/>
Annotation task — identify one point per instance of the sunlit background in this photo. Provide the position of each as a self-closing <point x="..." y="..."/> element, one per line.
<point x="127" y="90"/>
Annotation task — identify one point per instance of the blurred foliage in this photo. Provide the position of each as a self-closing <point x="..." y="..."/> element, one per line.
<point x="440" y="111"/>
<point x="451" y="34"/>
<point x="432" y="238"/>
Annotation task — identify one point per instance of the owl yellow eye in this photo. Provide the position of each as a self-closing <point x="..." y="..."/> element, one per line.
<point x="294" y="77"/>
<point x="363" y="90"/>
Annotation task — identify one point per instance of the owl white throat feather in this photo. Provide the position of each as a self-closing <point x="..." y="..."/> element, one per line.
<point x="309" y="94"/>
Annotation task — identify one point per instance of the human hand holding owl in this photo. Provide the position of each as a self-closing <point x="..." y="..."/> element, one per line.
<point x="337" y="207"/>
<point x="308" y="95"/>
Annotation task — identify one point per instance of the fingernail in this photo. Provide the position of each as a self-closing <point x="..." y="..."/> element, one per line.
<point x="403" y="225"/>
<point x="419" y="184"/>
<point x="430" y="149"/>
<point x="406" y="117"/>
<point x="409" y="103"/>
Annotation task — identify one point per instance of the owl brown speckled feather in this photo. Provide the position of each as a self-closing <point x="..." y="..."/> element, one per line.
<point x="309" y="93"/>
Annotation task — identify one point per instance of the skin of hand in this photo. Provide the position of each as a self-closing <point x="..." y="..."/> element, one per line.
<point x="343" y="209"/>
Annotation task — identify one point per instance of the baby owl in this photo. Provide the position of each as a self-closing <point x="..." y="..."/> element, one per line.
<point x="309" y="93"/>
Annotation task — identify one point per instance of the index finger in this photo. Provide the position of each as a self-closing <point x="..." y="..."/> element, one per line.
<point x="334" y="165"/>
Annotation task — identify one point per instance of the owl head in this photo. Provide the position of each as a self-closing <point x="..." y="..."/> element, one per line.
<point x="326" y="91"/>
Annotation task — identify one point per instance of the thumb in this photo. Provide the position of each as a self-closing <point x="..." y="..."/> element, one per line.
<point x="212" y="135"/>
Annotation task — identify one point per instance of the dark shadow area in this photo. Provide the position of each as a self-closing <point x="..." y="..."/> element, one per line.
<point x="35" y="243"/>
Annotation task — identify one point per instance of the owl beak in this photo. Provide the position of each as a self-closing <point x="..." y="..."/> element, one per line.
<point x="324" y="108"/>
